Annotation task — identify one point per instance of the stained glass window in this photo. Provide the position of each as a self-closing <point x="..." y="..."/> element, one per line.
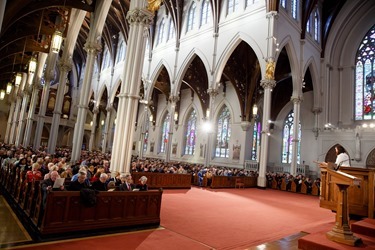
<point x="365" y="78"/>
<point x="256" y="140"/>
<point x="145" y="139"/>
<point x="171" y="32"/>
<point x="164" y="134"/>
<point x="288" y="139"/>
<point x="316" y="26"/>
<point x="232" y="6"/>
<point x="308" y="26"/>
<point x="206" y="12"/>
<point x="223" y="133"/>
<point x="190" y="135"/>
<point x="191" y="17"/>
<point x="294" y="9"/>
<point x="161" y="32"/>
<point x="283" y="3"/>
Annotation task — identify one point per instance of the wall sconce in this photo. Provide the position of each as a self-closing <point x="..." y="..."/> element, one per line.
<point x="114" y="121"/>
<point x="255" y="110"/>
<point x="91" y="123"/>
<point x="56" y="41"/>
<point x="32" y="65"/>
<point x="9" y="88"/>
<point x="151" y="119"/>
<point x="102" y="122"/>
<point x="207" y="113"/>
<point x="2" y="94"/>
<point x="175" y="118"/>
<point x="18" y="79"/>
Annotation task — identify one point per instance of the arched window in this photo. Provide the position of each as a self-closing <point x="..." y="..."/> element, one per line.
<point x="161" y="32"/>
<point x="256" y="140"/>
<point x="294" y="8"/>
<point x="283" y="3"/>
<point x="288" y="137"/>
<point x="191" y="17"/>
<point x="223" y="133"/>
<point x="316" y="25"/>
<point x="121" y="52"/>
<point x="145" y="139"/>
<point x="190" y="134"/>
<point x="308" y="26"/>
<point x="105" y="59"/>
<point x="164" y="134"/>
<point x="206" y="13"/>
<point x="171" y="31"/>
<point x="365" y="78"/>
<point x="232" y="6"/>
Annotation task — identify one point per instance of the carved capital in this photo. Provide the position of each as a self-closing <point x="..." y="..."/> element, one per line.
<point x="212" y="92"/>
<point x="65" y="65"/>
<point x="96" y="110"/>
<point x="139" y="16"/>
<point x="109" y="107"/>
<point x="174" y="99"/>
<point x="317" y="110"/>
<point x="296" y="99"/>
<point x="268" y="84"/>
<point x="92" y="48"/>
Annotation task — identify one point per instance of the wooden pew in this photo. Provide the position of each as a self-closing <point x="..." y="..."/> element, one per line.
<point x="230" y="181"/>
<point x="160" y="180"/>
<point x="64" y="211"/>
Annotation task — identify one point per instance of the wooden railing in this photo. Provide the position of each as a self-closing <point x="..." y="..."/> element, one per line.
<point x="158" y="180"/>
<point x="230" y="181"/>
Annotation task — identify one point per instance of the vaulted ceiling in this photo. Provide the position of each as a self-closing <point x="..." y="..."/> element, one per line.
<point x="28" y="26"/>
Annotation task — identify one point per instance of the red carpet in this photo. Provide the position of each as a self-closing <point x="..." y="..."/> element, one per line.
<point x="217" y="219"/>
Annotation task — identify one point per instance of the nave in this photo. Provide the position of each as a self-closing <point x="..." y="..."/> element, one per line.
<point x="194" y="219"/>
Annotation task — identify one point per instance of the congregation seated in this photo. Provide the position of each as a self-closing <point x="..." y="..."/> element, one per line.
<point x="101" y="184"/>
<point x="126" y="183"/>
<point x="142" y="185"/>
<point x="79" y="183"/>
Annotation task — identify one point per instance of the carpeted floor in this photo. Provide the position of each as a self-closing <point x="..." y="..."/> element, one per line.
<point x="216" y="219"/>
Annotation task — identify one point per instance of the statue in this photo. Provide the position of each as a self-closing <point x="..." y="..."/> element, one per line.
<point x="153" y="5"/>
<point x="270" y="70"/>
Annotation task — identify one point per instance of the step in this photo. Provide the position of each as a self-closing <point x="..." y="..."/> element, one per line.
<point x="364" y="227"/>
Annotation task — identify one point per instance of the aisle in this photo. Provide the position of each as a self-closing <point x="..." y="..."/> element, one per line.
<point x="11" y="230"/>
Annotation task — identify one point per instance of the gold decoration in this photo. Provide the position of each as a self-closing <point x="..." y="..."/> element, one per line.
<point x="270" y="70"/>
<point x="153" y="5"/>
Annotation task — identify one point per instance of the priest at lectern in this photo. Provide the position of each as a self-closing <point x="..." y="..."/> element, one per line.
<point x="342" y="159"/>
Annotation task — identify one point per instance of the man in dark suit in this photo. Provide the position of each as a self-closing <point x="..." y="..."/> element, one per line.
<point x="101" y="184"/>
<point x="80" y="183"/>
<point x="127" y="184"/>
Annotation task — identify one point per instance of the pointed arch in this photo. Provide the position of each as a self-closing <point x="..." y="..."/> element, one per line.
<point x="154" y="76"/>
<point x="228" y="51"/>
<point x="114" y="89"/>
<point x="312" y="66"/>
<point x="184" y="66"/>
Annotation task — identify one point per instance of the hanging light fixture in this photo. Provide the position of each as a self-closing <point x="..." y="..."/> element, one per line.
<point x="18" y="79"/>
<point x="32" y="65"/>
<point x="255" y="110"/>
<point x="2" y="94"/>
<point x="56" y="41"/>
<point x="9" y="88"/>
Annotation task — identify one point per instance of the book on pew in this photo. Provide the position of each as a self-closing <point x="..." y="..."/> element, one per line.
<point x="59" y="182"/>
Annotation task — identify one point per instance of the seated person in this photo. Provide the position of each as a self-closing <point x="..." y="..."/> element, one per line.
<point x="80" y="183"/>
<point x="101" y="184"/>
<point x="142" y="186"/>
<point x="111" y="186"/>
<point x="127" y="183"/>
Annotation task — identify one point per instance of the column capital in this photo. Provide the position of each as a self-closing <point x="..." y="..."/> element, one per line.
<point x="92" y="48"/>
<point x="268" y="84"/>
<point x="296" y="99"/>
<point x="212" y="92"/>
<point x="65" y="65"/>
<point x="317" y="110"/>
<point x="139" y="16"/>
<point x="109" y="107"/>
<point x="174" y="98"/>
<point x="95" y="110"/>
<point x="272" y="14"/>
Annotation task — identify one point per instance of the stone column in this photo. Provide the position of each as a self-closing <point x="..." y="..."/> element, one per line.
<point x="295" y="141"/>
<point x="22" y="120"/>
<point x="12" y="135"/>
<point x="92" y="51"/>
<point x="268" y="85"/>
<point x="144" y="128"/>
<point x="210" y="135"/>
<point x="22" y="115"/>
<point x="316" y="112"/>
<point x="9" y="124"/>
<point x="106" y="128"/>
<point x="172" y="108"/>
<point x="49" y="75"/>
<point x="34" y="97"/>
<point x="93" y="128"/>
<point x="65" y="67"/>
<point x="139" y="19"/>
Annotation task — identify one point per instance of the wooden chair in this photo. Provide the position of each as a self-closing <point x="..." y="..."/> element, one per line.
<point x="239" y="183"/>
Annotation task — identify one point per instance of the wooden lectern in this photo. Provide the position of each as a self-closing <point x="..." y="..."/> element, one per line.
<point x="341" y="231"/>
